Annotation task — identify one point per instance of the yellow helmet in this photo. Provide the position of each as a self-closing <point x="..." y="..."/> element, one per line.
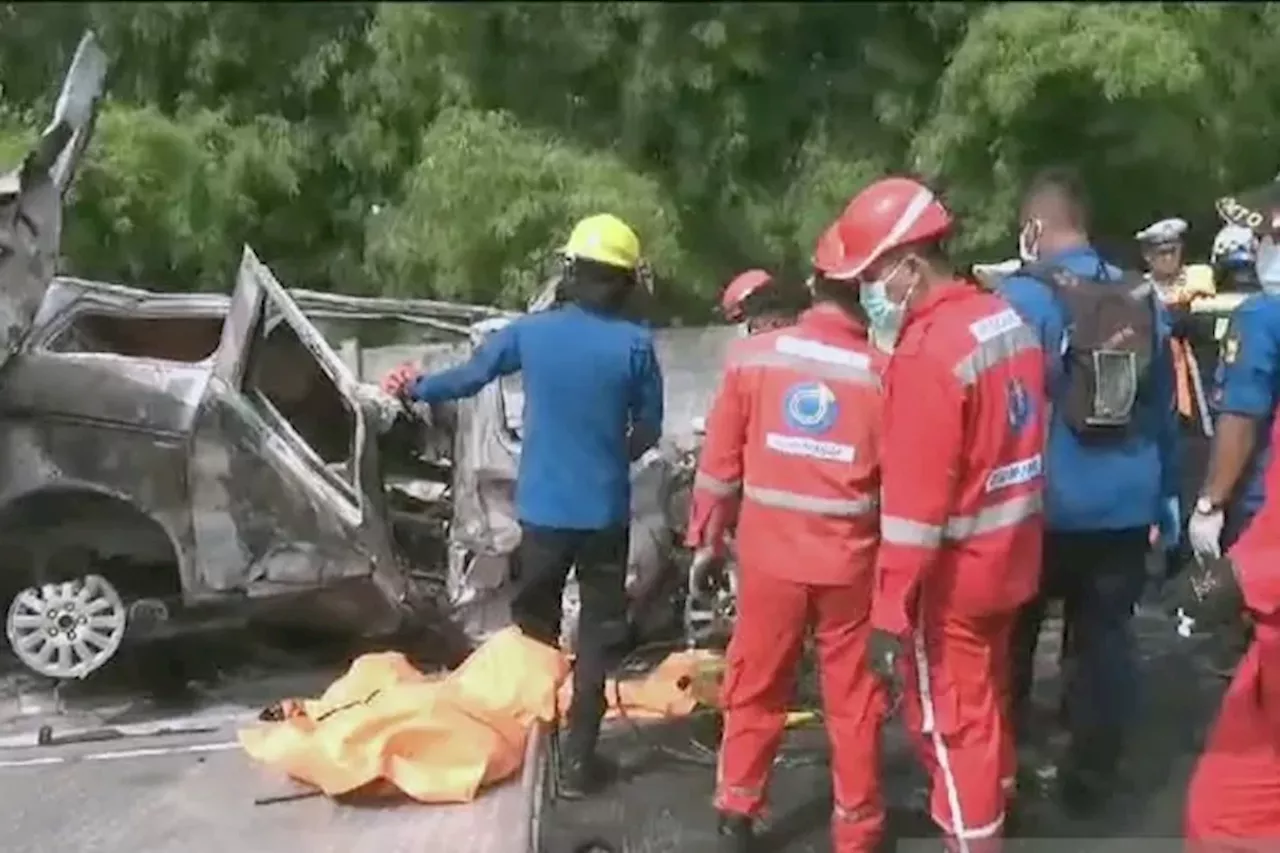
<point x="606" y="239"/>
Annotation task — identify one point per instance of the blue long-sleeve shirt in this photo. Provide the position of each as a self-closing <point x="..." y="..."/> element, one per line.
<point x="1247" y="383"/>
<point x="592" y="403"/>
<point x="1111" y="486"/>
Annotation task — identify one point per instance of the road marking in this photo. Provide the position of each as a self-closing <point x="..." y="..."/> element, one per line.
<point x="117" y="755"/>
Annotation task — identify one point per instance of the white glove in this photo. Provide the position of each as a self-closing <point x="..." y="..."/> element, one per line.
<point x="1205" y="532"/>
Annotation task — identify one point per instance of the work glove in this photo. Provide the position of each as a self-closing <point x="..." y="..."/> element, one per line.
<point x="1205" y="532"/>
<point x="1170" y="525"/>
<point x="884" y="657"/>
<point x="1205" y="596"/>
<point x="397" y="382"/>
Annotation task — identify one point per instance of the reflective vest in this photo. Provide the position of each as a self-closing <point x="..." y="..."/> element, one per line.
<point x="792" y="439"/>
<point x="962" y="460"/>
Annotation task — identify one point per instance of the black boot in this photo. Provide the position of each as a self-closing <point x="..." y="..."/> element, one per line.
<point x="1089" y="775"/>
<point x="582" y="777"/>
<point x="735" y="834"/>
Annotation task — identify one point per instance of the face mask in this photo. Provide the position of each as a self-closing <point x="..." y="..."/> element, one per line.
<point x="884" y="315"/>
<point x="1027" y="239"/>
<point x="1268" y="265"/>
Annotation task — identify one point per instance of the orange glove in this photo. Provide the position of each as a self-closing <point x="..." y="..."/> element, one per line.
<point x="399" y="379"/>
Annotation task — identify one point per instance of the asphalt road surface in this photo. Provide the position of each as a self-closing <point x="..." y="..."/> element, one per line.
<point x="191" y="791"/>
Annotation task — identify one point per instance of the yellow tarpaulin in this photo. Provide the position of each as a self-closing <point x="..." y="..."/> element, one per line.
<point x="443" y="739"/>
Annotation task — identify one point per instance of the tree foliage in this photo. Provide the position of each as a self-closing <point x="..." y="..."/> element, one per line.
<point x="445" y="149"/>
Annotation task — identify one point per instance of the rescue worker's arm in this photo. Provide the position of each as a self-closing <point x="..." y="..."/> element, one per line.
<point x="646" y="399"/>
<point x="1248" y="375"/>
<point x="920" y="456"/>
<point x="718" y="482"/>
<point x="498" y="355"/>
<point x="1167" y="435"/>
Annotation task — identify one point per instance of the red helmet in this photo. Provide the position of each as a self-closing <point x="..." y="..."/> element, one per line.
<point x="828" y="255"/>
<point x="890" y="213"/>
<point x="740" y="290"/>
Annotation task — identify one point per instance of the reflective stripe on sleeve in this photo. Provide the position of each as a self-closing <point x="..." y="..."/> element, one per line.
<point x="988" y="353"/>
<point x="716" y="486"/>
<point x="780" y="499"/>
<point x="904" y="531"/>
<point x="995" y="517"/>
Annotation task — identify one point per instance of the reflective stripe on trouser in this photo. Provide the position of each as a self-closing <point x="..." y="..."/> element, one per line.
<point x="896" y="530"/>
<point x="759" y="686"/>
<point x="955" y="710"/>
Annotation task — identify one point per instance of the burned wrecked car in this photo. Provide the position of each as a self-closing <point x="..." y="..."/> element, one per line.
<point x="188" y="458"/>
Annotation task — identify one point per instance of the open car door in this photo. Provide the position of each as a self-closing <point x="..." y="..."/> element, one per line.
<point x="32" y="193"/>
<point x="286" y="490"/>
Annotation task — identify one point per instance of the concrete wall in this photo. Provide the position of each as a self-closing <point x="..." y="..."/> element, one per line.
<point x="690" y="358"/>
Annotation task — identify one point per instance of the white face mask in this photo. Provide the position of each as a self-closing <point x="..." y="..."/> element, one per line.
<point x="1028" y="250"/>
<point x="1268" y="265"/>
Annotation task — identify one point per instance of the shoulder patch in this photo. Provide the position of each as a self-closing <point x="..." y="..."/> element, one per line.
<point x="995" y="325"/>
<point x="1230" y="347"/>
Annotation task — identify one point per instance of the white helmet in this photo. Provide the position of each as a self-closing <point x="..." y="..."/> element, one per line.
<point x="1234" y="242"/>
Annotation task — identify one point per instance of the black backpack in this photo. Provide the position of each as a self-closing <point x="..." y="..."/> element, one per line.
<point x="1109" y="345"/>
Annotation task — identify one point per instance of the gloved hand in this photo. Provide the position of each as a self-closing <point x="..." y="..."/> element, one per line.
<point x="884" y="657"/>
<point x="1206" y="592"/>
<point x="398" y="380"/>
<point x="1170" y="523"/>
<point x="1205" y="532"/>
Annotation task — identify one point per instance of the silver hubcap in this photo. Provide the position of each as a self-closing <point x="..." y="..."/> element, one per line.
<point x="67" y="629"/>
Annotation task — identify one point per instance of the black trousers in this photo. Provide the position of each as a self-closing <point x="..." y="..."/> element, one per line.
<point x="1099" y="577"/>
<point x="540" y="570"/>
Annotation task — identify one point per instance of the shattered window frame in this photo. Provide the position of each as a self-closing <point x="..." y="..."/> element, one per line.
<point x="344" y="477"/>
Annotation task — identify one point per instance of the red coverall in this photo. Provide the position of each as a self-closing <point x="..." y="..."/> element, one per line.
<point x="961" y="529"/>
<point x="1235" y="791"/>
<point x="794" y="431"/>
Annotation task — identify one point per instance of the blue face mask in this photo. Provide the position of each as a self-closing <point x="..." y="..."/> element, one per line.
<point x="884" y="315"/>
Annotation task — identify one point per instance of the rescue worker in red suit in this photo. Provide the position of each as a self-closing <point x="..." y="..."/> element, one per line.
<point x="1234" y="800"/>
<point x="791" y="452"/>
<point x="752" y="301"/>
<point x="961" y="499"/>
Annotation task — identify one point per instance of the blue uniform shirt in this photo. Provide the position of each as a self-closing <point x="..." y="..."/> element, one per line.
<point x="591" y="384"/>
<point x="1247" y="383"/>
<point x="1119" y="485"/>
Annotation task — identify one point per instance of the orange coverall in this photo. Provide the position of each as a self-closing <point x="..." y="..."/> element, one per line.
<point x="961" y="530"/>
<point x="793" y="435"/>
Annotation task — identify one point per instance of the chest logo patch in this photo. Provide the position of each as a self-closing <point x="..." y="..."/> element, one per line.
<point x="810" y="408"/>
<point x="1019" y="405"/>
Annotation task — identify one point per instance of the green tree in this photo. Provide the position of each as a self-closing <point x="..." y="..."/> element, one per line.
<point x="485" y="207"/>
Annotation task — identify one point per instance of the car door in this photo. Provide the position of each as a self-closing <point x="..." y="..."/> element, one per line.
<point x="32" y="192"/>
<point x="270" y="513"/>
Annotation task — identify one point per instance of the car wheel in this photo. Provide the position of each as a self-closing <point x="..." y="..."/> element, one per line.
<point x="67" y="629"/>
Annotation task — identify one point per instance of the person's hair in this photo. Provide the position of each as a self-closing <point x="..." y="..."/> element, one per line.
<point x="599" y="287"/>
<point x="842" y="294"/>
<point x="765" y="301"/>
<point x="1063" y="186"/>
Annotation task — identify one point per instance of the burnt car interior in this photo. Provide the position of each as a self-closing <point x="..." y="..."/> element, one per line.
<point x="184" y="339"/>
